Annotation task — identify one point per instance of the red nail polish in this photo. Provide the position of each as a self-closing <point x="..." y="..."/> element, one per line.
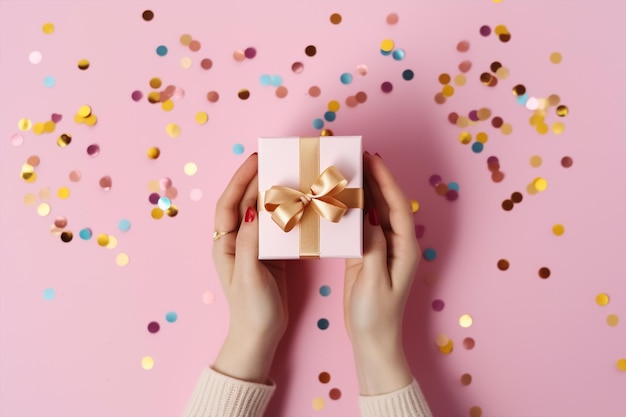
<point x="378" y="155"/>
<point x="373" y="217"/>
<point x="254" y="153"/>
<point x="249" y="215"/>
<point x="367" y="153"/>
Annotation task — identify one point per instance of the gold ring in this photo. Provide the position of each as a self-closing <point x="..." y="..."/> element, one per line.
<point x="217" y="235"/>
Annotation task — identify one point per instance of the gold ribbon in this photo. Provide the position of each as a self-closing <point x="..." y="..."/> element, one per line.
<point x="320" y="195"/>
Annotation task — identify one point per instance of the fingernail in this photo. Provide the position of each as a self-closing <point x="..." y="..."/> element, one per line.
<point x="373" y="217"/>
<point x="254" y="153"/>
<point x="249" y="215"/>
<point x="367" y="153"/>
<point x="378" y="155"/>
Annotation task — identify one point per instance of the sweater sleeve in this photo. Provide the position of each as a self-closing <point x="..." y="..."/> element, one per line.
<point x="405" y="402"/>
<point x="218" y="395"/>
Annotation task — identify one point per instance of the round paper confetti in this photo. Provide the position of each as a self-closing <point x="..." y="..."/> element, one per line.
<point x="567" y="162"/>
<point x="398" y="54"/>
<point x="310" y="50"/>
<point x="83" y="64"/>
<point x="345" y="78"/>
<point x="103" y="239"/>
<point x="195" y="194"/>
<point x="49" y="81"/>
<point x="323" y="324"/>
<point x="386" y="87"/>
<point x="164" y="203"/>
<point x="124" y="225"/>
<point x="63" y="193"/>
<point x="147" y="15"/>
<point x="85" y="234"/>
<point x="35" y="57"/>
<point x="238" y="148"/>
<point x="392" y="18"/>
<point x="17" y="140"/>
<point x="540" y="184"/>
<point x="415" y="206"/>
<point x="49" y="294"/>
<point x="475" y="411"/>
<point x="153" y="327"/>
<point x="106" y="183"/>
<point x="621" y="364"/>
<point x="297" y="67"/>
<point x="469" y="343"/>
<point x="324" y="377"/>
<point x="334" y="394"/>
<point x="602" y="299"/>
<point x="208" y="297"/>
<point x="503" y="264"/>
<point x="93" y="150"/>
<point x="147" y="363"/>
<point x="112" y="242"/>
<point x="556" y="57"/>
<point x="67" y="236"/>
<point x="324" y="290"/>
<point x="48" y="28"/>
<point x="186" y="62"/>
<point x="430" y="254"/>
<point x="612" y="320"/>
<point x="466" y="379"/>
<point x="43" y="209"/>
<point x="173" y="130"/>
<point x="171" y="316"/>
<point x="438" y="305"/>
<point x="202" y="117"/>
<point x="30" y="199"/>
<point x="466" y="321"/>
<point x="318" y="403"/>
<point x="156" y="213"/>
<point x="281" y="91"/>
<point x="558" y="230"/>
<point x="190" y="168"/>
<point x="335" y="18"/>
<point x="407" y="75"/>
<point x="122" y="259"/>
<point x="243" y="94"/>
<point x="544" y="273"/>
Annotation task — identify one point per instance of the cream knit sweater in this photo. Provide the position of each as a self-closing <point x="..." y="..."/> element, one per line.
<point x="218" y="395"/>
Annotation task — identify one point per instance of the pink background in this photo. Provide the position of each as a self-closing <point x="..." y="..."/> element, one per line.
<point x="543" y="347"/>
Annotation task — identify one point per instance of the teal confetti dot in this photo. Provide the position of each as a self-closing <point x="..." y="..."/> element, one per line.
<point x="330" y="116"/>
<point x="318" y="123"/>
<point x="430" y="254"/>
<point x="453" y="186"/>
<point x="124" y="225"/>
<point x="276" y="80"/>
<point x="49" y="294"/>
<point x="238" y="148"/>
<point x="161" y="50"/>
<point x="324" y="290"/>
<point x="522" y="99"/>
<point x="477" y="147"/>
<point x="407" y="75"/>
<point x="265" y="80"/>
<point x="385" y="53"/>
<point x="323" y="324"/>
<point x="398" y="54"/>
<point x="85" y="234"/>
<point x="171" y="316"/>
<point x="346" y="78"/>
<point x="49" y="81"/>
<point x="164" y="203"/>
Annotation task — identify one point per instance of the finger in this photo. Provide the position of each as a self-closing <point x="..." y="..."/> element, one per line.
<point x="374" y="193"/>
<point x="247" y="245"/>
<point x="249" y="198"/>
<point x="374" y="249"/>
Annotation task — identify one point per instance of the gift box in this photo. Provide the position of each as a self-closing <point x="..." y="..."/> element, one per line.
<point x="310" y="202"/>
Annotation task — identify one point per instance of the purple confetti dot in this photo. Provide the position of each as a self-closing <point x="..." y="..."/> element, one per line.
<point x="250" y="53"/>
<point x="438" y="305"/>
<point x="473" y="116"/>
<point x="492" y="160"/>
<point x="153" y="327"/>
<point x="154" y="198"/>
<point x="419" y="231"/>
<point x="485" y="30"/>
<point x="452" y="195"/>
<point x="386" y="87"/>
<point x="56" y="118"/>
<point x="434" y="180"/>
<point x="93" y="150"/>
<point x="136" y="95"/>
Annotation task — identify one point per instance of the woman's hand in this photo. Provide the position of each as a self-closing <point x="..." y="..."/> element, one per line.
<point x="377" y="286"/>
<point x="256" y="291"/>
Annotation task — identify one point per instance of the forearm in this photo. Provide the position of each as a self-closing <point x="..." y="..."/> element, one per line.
<point x="245" y="358"/>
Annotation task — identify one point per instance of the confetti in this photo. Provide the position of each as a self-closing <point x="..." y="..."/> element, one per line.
<point x="238" y="148"/>
<point x="83" y="64"/>
<point x="44" y="209"/>
<point x="335" y="18"/>
<point x="602" y="299"/>
<point x="466" y="379"/>
<point x="147" y="363"/>
<point x="35" y="57"/>
<point x="49" y="294"/>
<point x="430" y="254"/>
<point x="334" y="394"/>
<point x="190" y="168"/>
<point x="323" y="324"/>
<point x="324" y="290"/>
<point x="612" y="320"/>
<point x="469" y="343"/>
<point x="48" y="28"/>
<point x="318" y="403"/>
<point x="153" y="327"/>
<point x="171" y="317"/>
<point x="324" y="377"/>
<point x="544" y="272"/>
<point x="466" y="321"/>
<point x="208" y="297"/>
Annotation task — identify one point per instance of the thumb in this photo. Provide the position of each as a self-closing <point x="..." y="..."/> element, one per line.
<point x="374" y="247"/>
<point x="247" y="244"/>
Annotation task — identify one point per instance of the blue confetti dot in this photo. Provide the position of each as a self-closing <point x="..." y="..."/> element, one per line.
<point x="330" y="116"/>
<point x="85" y="234"/>
<point x="477" y="147"/>
<point x="522" y="99"/>
<point x="276" y="80"/>
<point x="398" y="54"/>
<point x="453" y="186"/>
<point x="385" y="53"/>
<point x="49" y="81"/>
<point x="161" y="50"/>
<point x="164" y="203"/>
<point x="238" y="148"/>
<point x="171" y="316"/>
<point x="346" y="78"/>
<point x="124" y="225"/>
<point x="49" y="294"/>
<point x="430" y="254"/>
<point x="323" y="324"/>
<point x="408" y="75"/>
<point x="265" y="80"/>
<point x="324" y="290"/>
<point x="318" y="123"/>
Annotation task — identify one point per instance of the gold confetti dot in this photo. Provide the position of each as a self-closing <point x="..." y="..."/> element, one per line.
<point x="185" y="39"/>
<point x="147" y="363"/>
<point x="466" y="379"/>
<point x="156" y="213"/>
<point x="482" y="137"/>
<point x="501" y="30"/>
<point x="63" y="193"/>
<point x="48" y="28"/>
<point x="30" y="199"/>
<point x="535" y="161"/>
<point x="38" y="128"/>
<point x="502" y="73"/>
<point x="444" y="79"/>
<point x="333" y="106"/>
<point x="155" y="82"/>
<point x="91" y="120"/>
<point x="465" y="138"/>
<point x="442" y="340"/>
<point x="506" y="129"/>
<point x="24" y="124"/>
<point x="540" y="184"/>
<point x="415" y="206"/>
<point x="503" y="264"/>
<point x="190" y="168"/>
<point x="43" y="209"/>
<point x="466" y="321"/>
<point x="202" y="117"/>
<point x="335" y="18"/>
<point x="556" y="57"/>
<point x="84" y="111"/>
<point x="112" y="242"/>
<point x="460" y="80"/>
<point x="326" y="132"/>
<point x="318" y="403"/>
<point x="612" y="320"/>
<point x="103" y="239"/>
<point x="562" y="110"/>
<point x="542" y="128"/>
<point x="153" y="153"/>
<point x="167" y="105"/>
<point x="447" y="90"/>
<point x="558" y="229"/>
<point x="621" y="364"/>
<point x="185" y="62"/>
<point x="475" y="411"/>
<point x="173" y="130"/>
<point x="558" y="128"/>
<point x="544" y="272"/>
<point x="122" y="259"/>
<point x="83" y="64"/>
<point x="44" y="193"/>
<point x="447" y="349"/>
<point x="602" y="299"/>
<point x="387" y="45"/>
<point x="172" y="211"/>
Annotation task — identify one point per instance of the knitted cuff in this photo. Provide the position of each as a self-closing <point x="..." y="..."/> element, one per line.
<point x="407" y="402"/>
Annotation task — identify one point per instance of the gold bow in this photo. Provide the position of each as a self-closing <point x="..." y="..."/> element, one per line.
<point x="287" y="205"/>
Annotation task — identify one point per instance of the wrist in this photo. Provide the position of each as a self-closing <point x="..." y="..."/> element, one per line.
<point x="246" y="357"/>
